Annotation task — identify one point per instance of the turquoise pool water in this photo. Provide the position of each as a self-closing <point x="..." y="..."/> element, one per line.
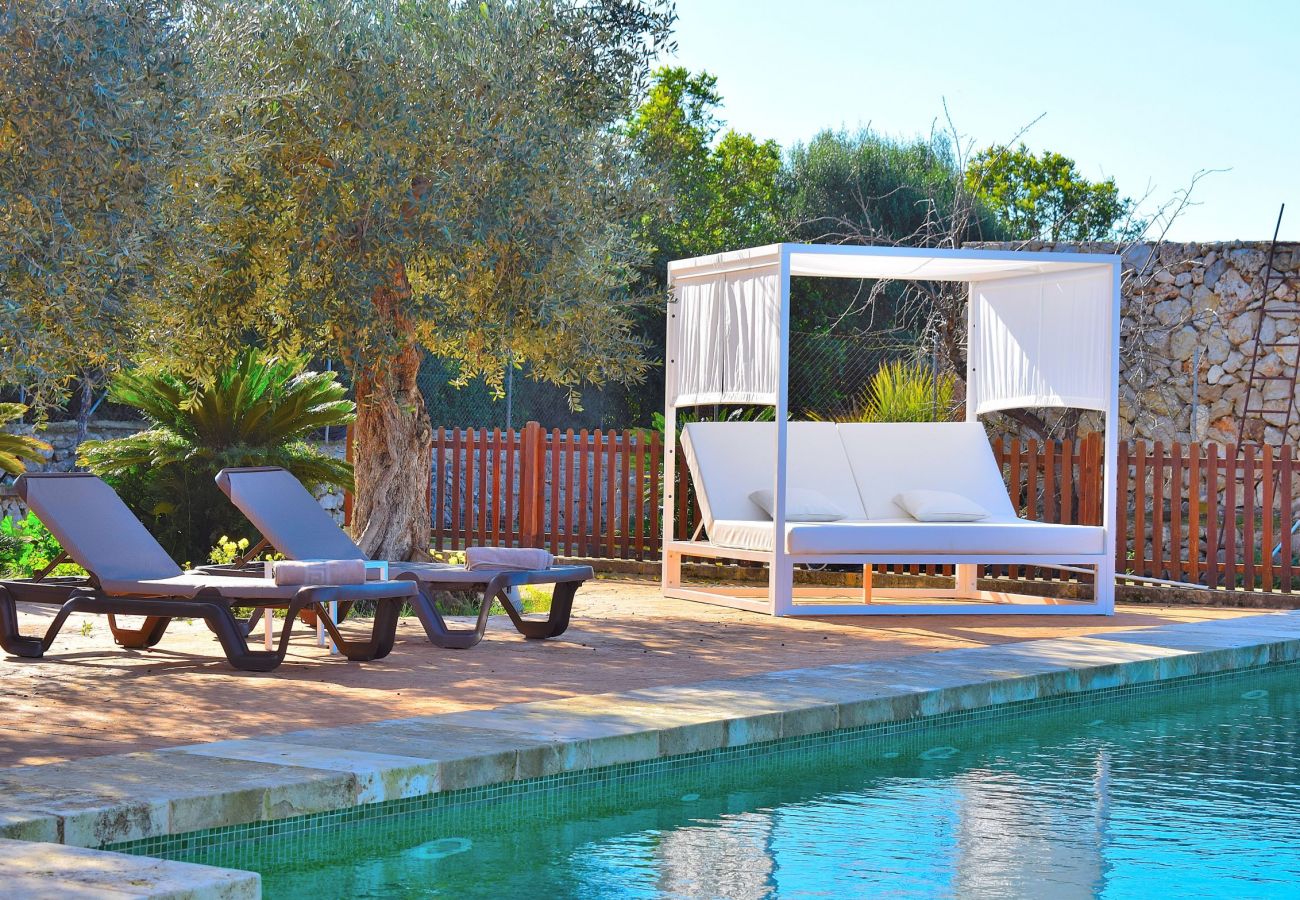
<point x="1193" y="792"/>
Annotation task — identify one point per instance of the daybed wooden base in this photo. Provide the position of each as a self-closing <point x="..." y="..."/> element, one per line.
<point x="779" y="596"/>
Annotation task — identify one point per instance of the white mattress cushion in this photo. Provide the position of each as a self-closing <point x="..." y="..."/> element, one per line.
<point x="940" y="506"/>
<point x="890" y="458"/>
<point x="730" y="460"/>
<point x="801" y="505"/>
<point x="1014" y="537"/>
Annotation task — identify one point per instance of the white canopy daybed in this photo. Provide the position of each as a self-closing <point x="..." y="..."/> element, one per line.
<point x="1043" y="331"/>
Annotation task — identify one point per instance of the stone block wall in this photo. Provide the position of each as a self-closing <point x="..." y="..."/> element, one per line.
<point x="1188" y="327"/>
<point x="62" y="437"/>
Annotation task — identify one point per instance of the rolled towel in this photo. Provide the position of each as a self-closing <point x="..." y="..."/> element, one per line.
<point x="319" y="571"/>
<point x="507" y="559"/>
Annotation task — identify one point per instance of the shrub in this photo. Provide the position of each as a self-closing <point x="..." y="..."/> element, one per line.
<point x="903" y="392"/>
<point x="27" y="547"/>
<point x="257" y="411"/>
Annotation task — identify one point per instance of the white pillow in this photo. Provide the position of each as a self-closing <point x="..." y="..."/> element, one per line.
<point x="940" y="506"/>
<point x="801" y="505"/>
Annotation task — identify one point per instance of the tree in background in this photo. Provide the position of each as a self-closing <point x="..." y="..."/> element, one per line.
<point x="711" y="193"/>
<point x="714" y="193"/>
<point x="867" y="188"/>
<point x="1043" y="197"/>
<point x="437" y="175"/>
<point x="96" y="126"/>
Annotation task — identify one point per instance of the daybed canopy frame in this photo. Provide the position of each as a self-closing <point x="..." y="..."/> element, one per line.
<point x="1043" y="331"/>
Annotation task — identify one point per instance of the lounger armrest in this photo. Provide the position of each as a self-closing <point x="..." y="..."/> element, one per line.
<point x="546" y="576"/>
<point x="371" y="590"/>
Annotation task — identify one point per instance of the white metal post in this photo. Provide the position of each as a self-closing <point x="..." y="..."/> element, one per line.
<point x="780" y="583"/>
<point x="1104" y="589"/>
<point x="670" y="574"/>
<point x="967" y="580"/>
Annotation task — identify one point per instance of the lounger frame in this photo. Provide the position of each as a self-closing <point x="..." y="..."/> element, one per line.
<point x="565" y="580"/>
<point x="494" y="586"/>
<point x="74" y="595"/>
<point x="787" y="603"/>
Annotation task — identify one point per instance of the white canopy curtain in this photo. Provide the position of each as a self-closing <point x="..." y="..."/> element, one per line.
<point x="1043" y="332"/>
<point x="728" y="338"/>
<point x="1038" y="341"/>
<point x="1041" y="324"/>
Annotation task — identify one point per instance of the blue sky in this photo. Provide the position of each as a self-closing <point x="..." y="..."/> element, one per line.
<point x="1146" y="92"/>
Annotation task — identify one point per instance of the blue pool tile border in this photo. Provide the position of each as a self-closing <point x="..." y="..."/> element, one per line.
<point x="553" y="789"/>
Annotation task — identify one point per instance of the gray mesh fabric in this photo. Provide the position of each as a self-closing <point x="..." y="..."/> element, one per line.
<point x="286" y="514"/>
<point x="96" y="528"/>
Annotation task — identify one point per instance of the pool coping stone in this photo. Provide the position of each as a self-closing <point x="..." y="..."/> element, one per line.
<point x="108" y="800"/>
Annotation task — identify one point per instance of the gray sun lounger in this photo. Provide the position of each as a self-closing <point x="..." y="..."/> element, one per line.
<point x="292" y="522"/>
<point x="132" y="575"/>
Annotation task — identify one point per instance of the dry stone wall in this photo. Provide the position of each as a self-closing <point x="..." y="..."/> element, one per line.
<point x="1188" y="329"/>
<point x="62" y="438"/>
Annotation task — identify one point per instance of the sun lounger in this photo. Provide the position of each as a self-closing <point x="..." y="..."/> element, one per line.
<point x="132" y="575"/>
<point x="292" y="522"/>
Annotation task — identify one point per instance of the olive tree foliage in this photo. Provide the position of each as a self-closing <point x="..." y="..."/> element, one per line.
<point x="437" y="175"/>
<point x="97" y="109"/>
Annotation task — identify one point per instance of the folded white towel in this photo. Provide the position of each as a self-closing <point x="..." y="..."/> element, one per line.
<point x="507" y="559"/>
<point x="319" y="571"/>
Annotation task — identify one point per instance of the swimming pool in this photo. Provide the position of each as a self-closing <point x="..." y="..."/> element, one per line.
<point x="1186" y="791"/>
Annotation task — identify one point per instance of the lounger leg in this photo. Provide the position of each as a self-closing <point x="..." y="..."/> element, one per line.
<point x="11" y="639"/>
<point x="1103" y="589"/>
<point x="147" y="635"/>
<point x="383" y="633"/>
<point x="672" y="570"/>
<point x="556" y="623"/>
<point x="866" y="584"/>
<point x="215" y="612"/>
<point x="435" y="626"/>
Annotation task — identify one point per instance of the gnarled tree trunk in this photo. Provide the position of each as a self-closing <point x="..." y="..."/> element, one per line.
<point x="392" y="458"/>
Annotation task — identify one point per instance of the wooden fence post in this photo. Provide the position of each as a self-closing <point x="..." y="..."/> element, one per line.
<point x="532" y="484"/>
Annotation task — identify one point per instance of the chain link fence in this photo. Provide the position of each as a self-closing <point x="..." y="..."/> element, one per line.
<point x="828" y="374"/>
<point x="522" y="400"/>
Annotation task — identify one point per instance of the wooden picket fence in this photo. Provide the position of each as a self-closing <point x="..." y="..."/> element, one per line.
<point x="1219" y="516"/>
<point x="589" y="493"/>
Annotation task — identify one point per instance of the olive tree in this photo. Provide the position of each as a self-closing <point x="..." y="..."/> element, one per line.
<point x="97" y="107"/>
<point x="435" y="176"/>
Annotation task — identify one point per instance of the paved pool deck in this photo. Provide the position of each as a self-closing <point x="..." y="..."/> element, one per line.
<point x="149" y="795"/>
<point x="91" y="698"/>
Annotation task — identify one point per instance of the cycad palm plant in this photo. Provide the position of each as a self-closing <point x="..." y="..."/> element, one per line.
<point x="16" y="450"/>
<point x="257" y="411"/>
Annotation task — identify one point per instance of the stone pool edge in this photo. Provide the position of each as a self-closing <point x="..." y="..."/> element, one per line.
<point x="130" y="797"/>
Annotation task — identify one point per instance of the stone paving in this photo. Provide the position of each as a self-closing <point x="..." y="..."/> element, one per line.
<point x="91" y="698"/>
<point x="37" y="871"/>
<point x="95" y="802"/>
